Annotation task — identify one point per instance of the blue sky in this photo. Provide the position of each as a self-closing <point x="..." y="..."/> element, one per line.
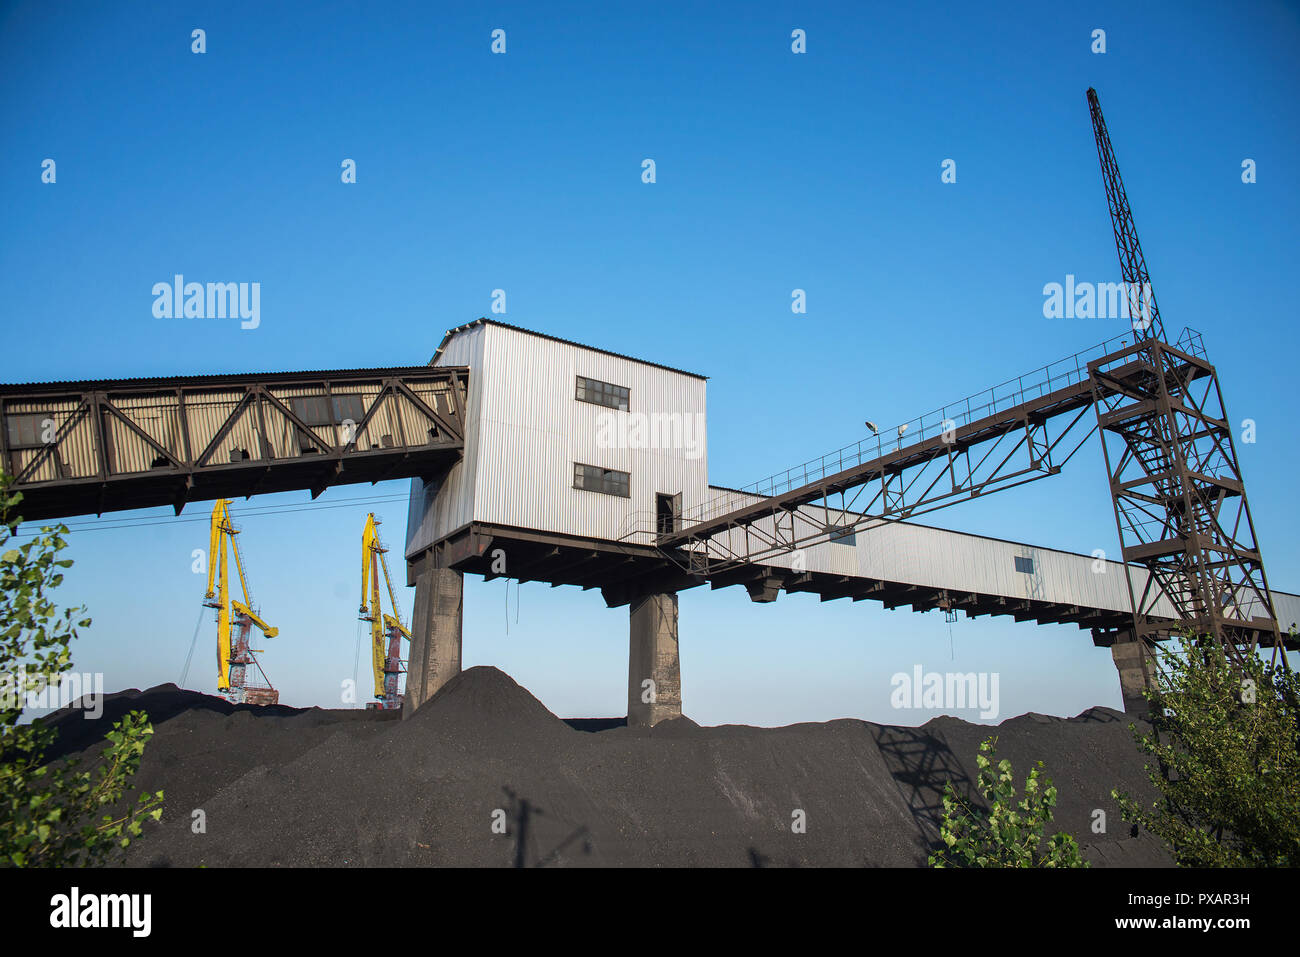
<point x="522" y="171"/>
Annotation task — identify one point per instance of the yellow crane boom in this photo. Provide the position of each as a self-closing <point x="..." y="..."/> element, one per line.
<point x="221" y="531"/>
<point x="252" y="616"/>
<point x="385" y="656"/>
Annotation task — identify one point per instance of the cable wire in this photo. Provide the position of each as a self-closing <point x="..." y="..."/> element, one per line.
<point x="356" y="662"/>
<point x="254" y="511"/>
<point x="185" y="672"/>
<point x="175" y="521"/>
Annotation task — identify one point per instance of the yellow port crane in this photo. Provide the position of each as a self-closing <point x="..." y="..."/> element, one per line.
<point x="385" y="655"/>
<point x="233" y="652"/>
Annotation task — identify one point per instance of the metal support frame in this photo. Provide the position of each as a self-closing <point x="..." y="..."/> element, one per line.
<point x="1180" y="501"/>
<point x="242" y="690"/>
<point x="1175" y="481"/>
<point x="996" y="440"/>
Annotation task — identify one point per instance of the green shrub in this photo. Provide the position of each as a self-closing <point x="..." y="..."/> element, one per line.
<point x="48" y="810"/>
<point x="1009" y="833"/>
<point x="1226" y="759"/>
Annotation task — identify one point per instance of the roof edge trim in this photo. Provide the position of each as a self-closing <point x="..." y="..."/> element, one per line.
<point x="484" y="321"/>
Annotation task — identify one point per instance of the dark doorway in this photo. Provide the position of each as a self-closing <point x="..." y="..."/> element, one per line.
<point x="667" y="508"/>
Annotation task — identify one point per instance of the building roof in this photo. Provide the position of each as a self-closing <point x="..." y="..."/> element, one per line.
<point x="541" y="335"/>
<point x="216" y="379"/>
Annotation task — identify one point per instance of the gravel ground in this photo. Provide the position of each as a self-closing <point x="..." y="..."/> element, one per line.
<point x="484" y="775"/>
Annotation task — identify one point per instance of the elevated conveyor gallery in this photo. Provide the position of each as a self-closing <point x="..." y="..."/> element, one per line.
<point x="91" y="447"/>
<point x="521" y="505"/>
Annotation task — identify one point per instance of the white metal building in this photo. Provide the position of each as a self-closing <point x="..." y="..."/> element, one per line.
<point x="539" y="410"/>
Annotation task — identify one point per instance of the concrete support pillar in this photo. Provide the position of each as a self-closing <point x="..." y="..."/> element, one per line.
<point x="436" y="625"/>
<point x="1135" y="662"/>
<point x="654" y="676"/>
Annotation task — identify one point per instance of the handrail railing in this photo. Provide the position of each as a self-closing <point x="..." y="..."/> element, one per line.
<point x="1050" y="378"/>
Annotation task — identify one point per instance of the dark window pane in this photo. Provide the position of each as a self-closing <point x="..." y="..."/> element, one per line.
<point x="602" y="393"/>
<point x="25" y="431"/>
<point x="307" y="409"/>
<point x="593" y="478"/>
<point x="843" y="536"/>
<point x="318" y="410"/>
<point x="348" y="407"/>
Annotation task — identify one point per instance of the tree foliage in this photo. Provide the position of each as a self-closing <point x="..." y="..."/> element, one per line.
<point x="69" y="811"/>
<point x="1225" y="756"/>
<point x="1010" y="832"/>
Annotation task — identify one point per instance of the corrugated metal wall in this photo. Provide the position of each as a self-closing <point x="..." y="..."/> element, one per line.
<point x="76" y="452"/>
<point x="937" y="558"/>
<point x="434" y="513"/>
<point x="532" y="425"/>
<point x="526" y="431"/>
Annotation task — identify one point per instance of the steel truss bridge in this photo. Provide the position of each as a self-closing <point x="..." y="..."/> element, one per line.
<point x="102" y="446"/>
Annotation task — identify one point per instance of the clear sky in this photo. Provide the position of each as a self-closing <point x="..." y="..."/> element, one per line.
<point x="523" y="171"/>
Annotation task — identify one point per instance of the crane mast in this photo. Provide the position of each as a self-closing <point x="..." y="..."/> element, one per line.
<point x="1175" y="481"/>
<point x="1139" y="295"/>
<point x="386" y="631"/>
<point x="235" y="619"/>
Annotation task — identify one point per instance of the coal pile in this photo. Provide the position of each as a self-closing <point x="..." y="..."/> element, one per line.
<point x="484" y="775"/>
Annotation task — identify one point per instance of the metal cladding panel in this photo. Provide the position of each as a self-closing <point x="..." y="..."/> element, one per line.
<point x="80" y="459"/>
<point x="206" y="417"/>
<point x="1287" y="609"/>
<point x="533" y="430"/>
<point x="435" y="512"/>
<point x="937" y="558"/>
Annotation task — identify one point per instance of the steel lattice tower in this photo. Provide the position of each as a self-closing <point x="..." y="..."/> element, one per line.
<point x="1178" y="492"/>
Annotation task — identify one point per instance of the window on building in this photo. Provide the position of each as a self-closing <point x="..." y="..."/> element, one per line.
<point x="319" y="411"/>
<point x="349" y="407"/>
<point x="593" y="478"/>
<point x="1025" y="565"/>
<point x="25" y="430"/>
<point x="602" y="393"/>
<point x="843" y="536"/>
<point x="328" y="410"/>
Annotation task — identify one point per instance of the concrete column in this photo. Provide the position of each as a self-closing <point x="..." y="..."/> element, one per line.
<point x="436" y="623"/>
<point x="1135" y="662"/>
<point x="652" y="657"/>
